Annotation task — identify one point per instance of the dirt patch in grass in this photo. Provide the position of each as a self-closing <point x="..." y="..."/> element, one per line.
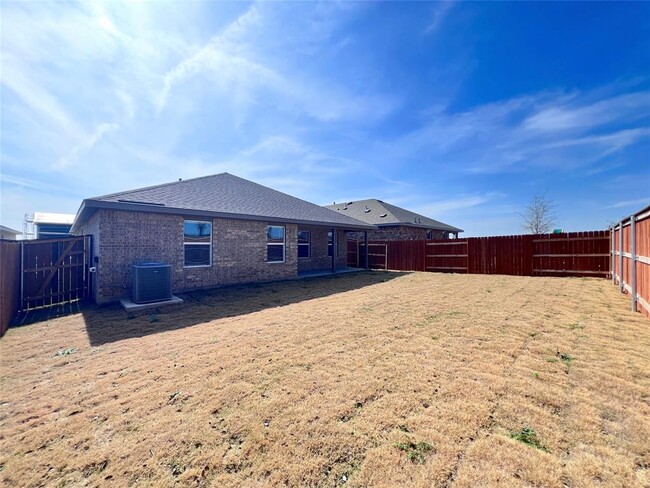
<point x="372" y="379"/>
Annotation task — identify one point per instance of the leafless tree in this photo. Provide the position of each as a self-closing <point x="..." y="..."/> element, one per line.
<point x="539" y="217"/>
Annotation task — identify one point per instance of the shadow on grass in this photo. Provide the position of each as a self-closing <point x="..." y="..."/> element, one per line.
<point x="111" y="323"/>
<point x="50" y="313"/>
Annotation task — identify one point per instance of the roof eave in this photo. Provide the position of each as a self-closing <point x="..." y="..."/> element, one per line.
<point x="80" y="217"/>
<point x="447" y="228"/>
<point x="92" y="205"/>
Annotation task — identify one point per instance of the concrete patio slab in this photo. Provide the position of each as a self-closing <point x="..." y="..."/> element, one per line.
<point x="130" y="306"/>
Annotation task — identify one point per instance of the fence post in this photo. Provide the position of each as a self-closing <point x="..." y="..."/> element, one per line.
<point x="633" y="261"/>
<point x="621" y="287"/>
<point x="365" y="243"/>
<point x="612" y="244"/>
<point x="22" y="275"/>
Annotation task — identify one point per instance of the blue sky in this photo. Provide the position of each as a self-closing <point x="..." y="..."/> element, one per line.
<point x="460" y="111"/>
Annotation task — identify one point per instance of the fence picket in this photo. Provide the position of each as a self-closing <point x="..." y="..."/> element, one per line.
<point x="573" y="254"/>
<point x="631" y="259"/>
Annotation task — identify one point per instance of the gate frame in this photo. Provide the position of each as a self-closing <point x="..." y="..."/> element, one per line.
<point x="86" y="264"/>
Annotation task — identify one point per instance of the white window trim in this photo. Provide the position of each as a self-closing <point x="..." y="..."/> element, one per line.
<point x="284" y="242"/>
<point x="308" y="244"/>
<point x="197" y="243"/>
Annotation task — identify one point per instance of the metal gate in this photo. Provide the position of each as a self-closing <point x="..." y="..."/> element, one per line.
<point x="54" y="271"/>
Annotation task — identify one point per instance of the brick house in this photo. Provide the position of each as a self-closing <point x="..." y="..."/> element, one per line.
<point x="215" y="230"/>
<point x="393" y="223"/>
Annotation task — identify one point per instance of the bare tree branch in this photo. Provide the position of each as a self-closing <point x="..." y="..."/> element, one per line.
<point x="539" y="217"/>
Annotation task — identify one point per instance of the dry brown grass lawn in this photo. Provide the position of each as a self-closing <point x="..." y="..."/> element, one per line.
<point x="373" y="379"/>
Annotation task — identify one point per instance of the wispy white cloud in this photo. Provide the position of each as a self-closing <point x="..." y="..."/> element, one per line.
<point x="29" y="183"/>
<point x="580" y="115"/>
<point x="100" y="131"/>
<point x="499" y="137"/>
<point x="288" y="165"/>
<point x="231" y="63"/>
<point x="440" y="11"/>
<point x="37" y="98"/>
<point x="443" y="207"/>
<point x="637" y="202"/>
<point x="222" y="56"/>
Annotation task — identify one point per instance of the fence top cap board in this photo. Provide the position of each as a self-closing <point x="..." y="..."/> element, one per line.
<point x="380" y="213"/>
<point x="222" y="195"/>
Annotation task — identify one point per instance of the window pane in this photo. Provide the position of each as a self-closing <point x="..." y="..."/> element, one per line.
<point x="275" y="234"/>
<point x="303" y="236"/>
<point x="197" y="231"/>
<point x="197" y="255"/>
<point x="275" y="253"/>
<point x="303" y="251"/>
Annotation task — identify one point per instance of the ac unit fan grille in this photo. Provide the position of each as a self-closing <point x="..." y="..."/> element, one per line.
<point x="151" y="283"/>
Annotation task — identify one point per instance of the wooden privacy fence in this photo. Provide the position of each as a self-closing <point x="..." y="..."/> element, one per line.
<point x="569" y="254"/>
<point x="43" y="273"/>
<point x="377" y="257"/>
<point x="54" y="271"/>
<point x="9" y="282"/>
<point x="630" y="258"/>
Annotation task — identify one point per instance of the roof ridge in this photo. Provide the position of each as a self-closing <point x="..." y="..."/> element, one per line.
<point x="418" y="214"/>
<point x="119" y="193"/>
<point x="396" y="215"/>
<point x="350" y="202"/>
<point x="290" y="196"/>
<point x="222" y="194"/>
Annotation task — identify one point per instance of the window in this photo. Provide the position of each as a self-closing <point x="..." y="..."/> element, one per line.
<point x="304" y="240"/>
<point x="330" y="243"/>
<point x="197" y="243"/>
<point x="275" y="244"/>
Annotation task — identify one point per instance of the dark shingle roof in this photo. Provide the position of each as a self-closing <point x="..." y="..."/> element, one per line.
<point x="221" y="195"/>
<point x="371" y="211"/>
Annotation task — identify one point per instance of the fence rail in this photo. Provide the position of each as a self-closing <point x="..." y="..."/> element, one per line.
<point x="42" y="273"/>
<point x="630" y="258"/>
<point x="569" y="254"/>
<point x="54" y="271"/>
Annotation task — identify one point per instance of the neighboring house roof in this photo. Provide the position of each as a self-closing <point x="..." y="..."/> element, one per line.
<point x="381" y="214"/>
<point x="8" y="230"/>
<point x="221" y="195"/>
<point x="53" y="218"/>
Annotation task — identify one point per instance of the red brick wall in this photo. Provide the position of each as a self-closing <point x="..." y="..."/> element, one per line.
<point x="398" y="233"/>
<point x="319" y="260"/>
<point x="122" y="238"/>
